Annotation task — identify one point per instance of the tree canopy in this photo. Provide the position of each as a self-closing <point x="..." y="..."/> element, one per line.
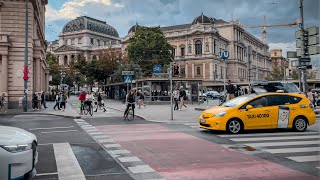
<point x="149" y="47"/>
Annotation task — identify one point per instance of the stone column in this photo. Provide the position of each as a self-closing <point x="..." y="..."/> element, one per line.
<point x="211" y="71"/>
<point x="38" y="75"/>
<point x="186" y="70"/>
<point x="4" y="74"/>
<point x="204" y="70"/>
<point x="192" y="70"/>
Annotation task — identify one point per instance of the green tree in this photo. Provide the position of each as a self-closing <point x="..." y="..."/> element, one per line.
<point x="149" y="47"/>
<point x="276" y="74"/>
<point x="117" y="76"/>
<point x="54" y="69"/>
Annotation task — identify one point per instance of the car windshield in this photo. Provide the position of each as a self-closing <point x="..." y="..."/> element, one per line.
<point x="291" y="87"/>
<point x="238" y="100"/>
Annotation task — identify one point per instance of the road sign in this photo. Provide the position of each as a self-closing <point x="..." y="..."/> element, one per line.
<point x="126" y="73"/>
<point x="224" y="54"/>
<point x="314" y="50"/>
<point x="127" y="78"/>
<point x="313" y="31"/>
<point x="291" y="54"/>
<point x="156" y="68"/>
<point x="305" y="61"/>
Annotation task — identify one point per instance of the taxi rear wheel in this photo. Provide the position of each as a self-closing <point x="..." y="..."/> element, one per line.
<point x="234" y="126"/>
<point x="300" y="124"/>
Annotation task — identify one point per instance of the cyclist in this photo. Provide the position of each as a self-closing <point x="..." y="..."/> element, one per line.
<point x="89" y="99"/>
<point x="131" y="101"/>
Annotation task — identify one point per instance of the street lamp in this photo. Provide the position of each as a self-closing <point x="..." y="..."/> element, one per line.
<point x="63" y="74"/>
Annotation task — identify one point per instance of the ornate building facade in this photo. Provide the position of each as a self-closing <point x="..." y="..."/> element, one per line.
<point x="12" y="45"/>
<point x="84" y="36"/>
<point x="197" y="46"/>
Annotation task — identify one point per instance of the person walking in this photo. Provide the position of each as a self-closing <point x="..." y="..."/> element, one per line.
<point x="2" y="102"/>
<point x="99" y="104"/>
<point x="63" y="100"/>
<point x="34" y="101"/>
<point x="182" y="97"/>
<point x="82" y="99"/>
<point x="39" y="100"/>
<point x="140" y="98"/>
<point x="43" y="100"/>
<point x="131" y="101"/>
<point x="231" y="89"/>
<point x="57" y="100"/>
<point x="176" y="98"/>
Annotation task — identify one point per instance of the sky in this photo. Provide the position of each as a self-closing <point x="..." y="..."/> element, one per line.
<point x="122" y="14"/>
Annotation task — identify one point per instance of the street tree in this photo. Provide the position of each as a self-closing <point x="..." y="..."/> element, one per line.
<point x="117" y="75"/>
<point x="54" y="69"/>
<point x="149" y="47"/>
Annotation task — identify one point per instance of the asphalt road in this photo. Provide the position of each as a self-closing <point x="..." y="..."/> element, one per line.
<point x="107" y="147"/>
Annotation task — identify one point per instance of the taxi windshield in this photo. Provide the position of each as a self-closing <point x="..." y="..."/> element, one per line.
<point x="238" y="100"/>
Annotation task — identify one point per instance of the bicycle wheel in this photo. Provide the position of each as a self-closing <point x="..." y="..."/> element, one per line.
<point x="90" y="110"/>
<point x="130" y="114"/>
<point x="85" y="109"/>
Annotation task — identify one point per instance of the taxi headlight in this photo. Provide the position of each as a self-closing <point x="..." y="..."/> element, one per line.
<point x="220" y="114"/>
<point x="17" y="148"/>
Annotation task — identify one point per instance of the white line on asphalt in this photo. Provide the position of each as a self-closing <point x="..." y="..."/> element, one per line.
<point x="282" y="143"/>
<point x="292" y="150"/>
<point x="79" y="120"/>
<point x="190" y="124"/>
<point x="118" y="152"/>
<point x="305" y="158"/>
<point x="87" y="127"/>
<point x="46" y="132"/>
<point x="269" y="134"/>
<point x="318" y="167"/>
<point x="67" y="164"/>
<point x="141" y="169"/>
<point x="275" y="138"/>
<point x="51" y="128"/>
<point x="111" y="145"/>
<point x="129" y="159"/>
<point x="47" y="174"/>
<point x="95" y="133"/>
<point x="92" y="130"/>
<point x="194" y="126"/>
<point x="101" y="137"/>
<point x="105" y="140"/>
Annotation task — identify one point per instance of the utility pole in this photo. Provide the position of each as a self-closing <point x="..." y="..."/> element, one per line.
<point x="171" y="93"/>
<point x="303" y="74"/>
<point x="25" y="68"/>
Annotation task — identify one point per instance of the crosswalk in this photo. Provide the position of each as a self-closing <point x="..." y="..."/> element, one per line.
<point x="300" y="147"/>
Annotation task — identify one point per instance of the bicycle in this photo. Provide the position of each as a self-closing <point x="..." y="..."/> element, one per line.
<point x="129" y="115"/>
<point x="87" y="109"/>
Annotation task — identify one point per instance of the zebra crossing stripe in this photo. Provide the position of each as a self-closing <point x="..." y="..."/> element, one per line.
<point x="129" y="159"/>
<point x="141" y="169"/>
<point x="274" y="138"/>
<point x="117" y="152"/>
<point x="305" y="158"/>
<point x="269" y="134"/>
<point x="101" y="137"/>
<point x="191" y="124"/>
<point x="194" y="126"/>
<point x="292" y="150"/>
<point x="282" y="143"/>
<point x="111" y="145"/>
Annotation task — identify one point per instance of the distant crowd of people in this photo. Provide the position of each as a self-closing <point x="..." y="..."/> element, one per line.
<point x="38" y="100"/>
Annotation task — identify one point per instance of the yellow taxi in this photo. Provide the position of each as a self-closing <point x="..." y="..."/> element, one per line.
<point x="260" y="111"/>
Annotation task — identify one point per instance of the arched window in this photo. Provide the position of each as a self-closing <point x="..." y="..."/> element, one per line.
<point x="198" y="47"/>
<point x="65" y="60"/>
<point x="189" y="49"/>
<point x="94" y="57"/>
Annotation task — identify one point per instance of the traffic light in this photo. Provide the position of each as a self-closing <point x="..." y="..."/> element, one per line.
<point x="176" y="70"/>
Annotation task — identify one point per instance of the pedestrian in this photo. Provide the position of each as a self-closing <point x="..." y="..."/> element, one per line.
<point x="176" y="98"/>
<point x="34" y="101"/>
<point x="57" y="100"/>
<point x="82" y="98"/>
<point x="231" y="89"/>
<point x="182" y="97"/>
<point x="131" y="100"/>
<point x="39" y="100"/>
<point x="2" y="102"/>
<point x="99" y="104"/>
<point x="43" y="99"/>
<point x="63" y="100"/>
<point x="310" y="96"/>
<point x="245" y="91"/>
<point x="140" y="98"/>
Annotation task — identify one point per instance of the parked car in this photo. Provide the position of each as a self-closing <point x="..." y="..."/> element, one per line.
<point x="18" y="153"/>
<point x="212" y="94"/>
<point x="274" y="86"/>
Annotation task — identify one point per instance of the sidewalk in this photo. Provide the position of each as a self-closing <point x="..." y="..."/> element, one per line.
<point x="162" y="113"/>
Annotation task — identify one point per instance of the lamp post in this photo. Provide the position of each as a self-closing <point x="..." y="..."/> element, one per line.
<point x="25" y="68"/>
<point x="63" y="74"/>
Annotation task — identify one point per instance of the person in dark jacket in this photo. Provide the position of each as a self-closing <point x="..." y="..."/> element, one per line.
<point x="43" y="100"/>
<point x="99" y="104"/>
<point x="34" y="101"/>
<point x="231" y="89"/>
<point x="131" y="101"/>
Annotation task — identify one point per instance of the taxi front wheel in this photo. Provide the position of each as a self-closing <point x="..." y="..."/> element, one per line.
<point x="234" y="126"/>
<point x="300" y="124"/>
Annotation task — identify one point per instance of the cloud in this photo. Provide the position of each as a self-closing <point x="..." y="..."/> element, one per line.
<point x="76" y="8"/>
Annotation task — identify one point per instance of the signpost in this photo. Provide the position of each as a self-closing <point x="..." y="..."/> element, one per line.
<point x="224" y="55"/>
<point x="127" y="77"/>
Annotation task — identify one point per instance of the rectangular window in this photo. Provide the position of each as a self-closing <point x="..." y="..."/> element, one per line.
<point x="174" y="52"/>
<point x="182" y="71"/>
<point x="80" y="41"/>
<point x="182" y="51"/>
<point x="198" y="70"/>
<point x="214" y="46"/>
<point x="98" y="42"/>
<point x="72" y="42"/>
<point x="91" y="41"/>
<point x="66" y="42"/>
<point x="221" y="70"/>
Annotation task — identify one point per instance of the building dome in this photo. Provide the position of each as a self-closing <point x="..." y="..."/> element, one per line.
<point x="87" y="23"/>
<point x="203" y="20"/>
<point x="134" y="28"/>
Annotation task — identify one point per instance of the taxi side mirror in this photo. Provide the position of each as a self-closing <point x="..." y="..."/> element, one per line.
<point x="248" y="107"/>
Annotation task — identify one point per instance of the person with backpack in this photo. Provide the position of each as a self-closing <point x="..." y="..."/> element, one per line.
<point x="34" y="101"/>
<point x="176" y="98"/>
<point x="63" y="100"/>
<point x="231" y="90"/>
<point x="99" y="104"/>
<point x="43" y="100"/>
<point x="57" y="100"/>
<point x="2" y="102"/>
<point x="182" y="97"/>
<point x="140" y="98"/>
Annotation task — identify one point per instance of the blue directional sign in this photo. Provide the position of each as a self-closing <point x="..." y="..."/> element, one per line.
<point x="224" y="54"/>
<point x="157" y="69"/>
<point x="127" y="79"/>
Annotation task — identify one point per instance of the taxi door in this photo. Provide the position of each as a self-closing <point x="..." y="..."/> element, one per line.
<point x="260" y="116"/>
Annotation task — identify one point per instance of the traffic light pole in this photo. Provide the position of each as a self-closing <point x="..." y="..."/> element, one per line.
<point x="25" y="78"/>
<point x="302" y="72"/>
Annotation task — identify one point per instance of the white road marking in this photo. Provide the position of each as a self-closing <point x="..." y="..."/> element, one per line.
<point x="141" y="169"/>
<point x="95" y="133"/>
<point x="269" y="134"/>
<point x="47" y="132"/>
<point x="274" y="138"/>
<point x="292" y="150"/>
<point x="47" y="174"/>
<point x="67" y="164"/>
<point x="194" y="126"/>
<point x="111" y="145"/>
<point x="92" y="130"/>
<point x="66" y="127"/>
<point x="305" y="158"/>
<point x="191" y="124"/>
<point x="318" y="167"/>
<point x="282" y="143"/>
<point x="129" y="159"/>
<point x="101" y="137"/>
<point x="79" y="120"/>
<point x="119" y="152"/>
<point x="105" y="140"/>
<point x="87" y="127"/>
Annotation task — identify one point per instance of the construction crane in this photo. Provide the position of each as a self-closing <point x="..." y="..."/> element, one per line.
<point x="264" y="26"/>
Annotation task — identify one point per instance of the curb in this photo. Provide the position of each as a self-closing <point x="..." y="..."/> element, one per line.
<point x="61" y="115"/>
<point x="123" y="111"/>
<point x="199" y="109"/>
